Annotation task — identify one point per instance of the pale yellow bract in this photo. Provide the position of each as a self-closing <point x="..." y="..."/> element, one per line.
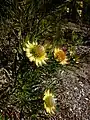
<point x="35" y="53"/>
<point x="49" y="102"/>
<point x="60" y="56"/>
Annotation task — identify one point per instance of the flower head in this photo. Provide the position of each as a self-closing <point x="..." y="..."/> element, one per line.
<point x="60" y="56"/>
<point x="35" y="53"/>
<point x="49" y="102"/>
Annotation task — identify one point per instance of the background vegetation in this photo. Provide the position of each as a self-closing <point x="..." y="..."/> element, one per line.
<point x="22" y="84"/>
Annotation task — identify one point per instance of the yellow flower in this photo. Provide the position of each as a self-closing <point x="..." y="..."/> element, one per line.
<point x="80" y="3"/>
<point x="79" y="12"/>
<point x="35" y="53"/>
<point x="49" y="102"/>
<point x="60" y="56"/>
